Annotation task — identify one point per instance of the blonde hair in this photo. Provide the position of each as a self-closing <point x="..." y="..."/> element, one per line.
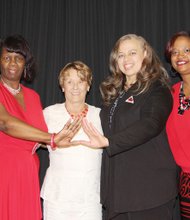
<point x="84" y="72"/>
<point x="151" y="70"/>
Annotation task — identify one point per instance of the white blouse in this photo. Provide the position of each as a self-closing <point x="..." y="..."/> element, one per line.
<point x="73" y="177"/>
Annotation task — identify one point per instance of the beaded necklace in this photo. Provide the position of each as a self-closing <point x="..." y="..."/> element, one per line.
<point x="11" y="90"/>
<point x="114" y="106"/>
<point x="82" y="114"/>
<point x="184" y="103"/>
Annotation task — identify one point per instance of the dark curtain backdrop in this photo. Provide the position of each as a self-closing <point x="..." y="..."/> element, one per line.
<point x="60" y="31"/>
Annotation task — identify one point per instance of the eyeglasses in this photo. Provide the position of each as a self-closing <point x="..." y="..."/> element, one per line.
<point x="183" y="52"/>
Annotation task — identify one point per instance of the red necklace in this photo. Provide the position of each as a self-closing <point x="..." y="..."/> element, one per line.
<point x="79" y="115"/>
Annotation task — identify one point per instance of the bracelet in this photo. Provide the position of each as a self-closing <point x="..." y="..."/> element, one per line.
<point x="52" y="142"/>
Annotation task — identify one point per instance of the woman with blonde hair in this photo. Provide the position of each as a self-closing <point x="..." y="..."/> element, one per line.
<point x="71" y="189"/>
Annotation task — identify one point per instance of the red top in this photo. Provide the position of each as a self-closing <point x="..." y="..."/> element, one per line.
<point x="32" y="115"/>
<point x="19" y="165"/>
<point x="178" y="130"/>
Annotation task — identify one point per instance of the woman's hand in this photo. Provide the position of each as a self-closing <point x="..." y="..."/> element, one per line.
<point x="96" y="139"/>
<point x="64" y="137"/>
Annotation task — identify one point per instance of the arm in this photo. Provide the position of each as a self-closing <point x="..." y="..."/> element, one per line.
<point x="19" y="129"/>
<point x="153" y="116"/>
<point x="96" y="139"/>
<point x="93" y="129"/>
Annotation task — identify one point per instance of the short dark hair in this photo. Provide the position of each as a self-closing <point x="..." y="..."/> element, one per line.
<point x="18" y="44"/>
<point x="171" y="42"/>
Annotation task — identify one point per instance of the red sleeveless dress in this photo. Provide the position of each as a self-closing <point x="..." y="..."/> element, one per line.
<point x="19" y="164"/>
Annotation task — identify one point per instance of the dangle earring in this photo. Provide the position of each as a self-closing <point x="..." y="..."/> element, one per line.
<point x="25" y="72"/>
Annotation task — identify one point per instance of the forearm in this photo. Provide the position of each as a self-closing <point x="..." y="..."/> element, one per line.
<point x="17" y="128"/>
<point x="133" y="136"/>
<point x="150" y="123"/>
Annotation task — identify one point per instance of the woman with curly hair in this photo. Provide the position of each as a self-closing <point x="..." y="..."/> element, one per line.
<point x="138" y="180"/>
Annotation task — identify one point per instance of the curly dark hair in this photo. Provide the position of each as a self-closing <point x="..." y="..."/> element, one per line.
<point x="17" y="44"/>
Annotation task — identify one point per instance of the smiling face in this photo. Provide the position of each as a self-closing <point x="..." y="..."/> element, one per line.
<point x="130" y="57"/>
<point x="180" y="55"/>
<point x="12" y="66"/>
<point x="75" y="87"/>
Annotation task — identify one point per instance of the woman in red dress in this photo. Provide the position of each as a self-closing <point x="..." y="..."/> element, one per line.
<point x="178" y="125"/>
<point x="22" y="127"/>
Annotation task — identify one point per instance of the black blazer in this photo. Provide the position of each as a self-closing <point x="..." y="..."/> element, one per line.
<point x="138" y="169"/>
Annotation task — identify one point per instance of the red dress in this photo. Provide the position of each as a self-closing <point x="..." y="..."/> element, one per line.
<point x="19" y="165"/>
<point x="178" y="129"/>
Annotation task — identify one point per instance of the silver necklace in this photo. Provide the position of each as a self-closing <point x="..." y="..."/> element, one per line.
<point x="11" y="90"/>
<point x="114" y="106"/>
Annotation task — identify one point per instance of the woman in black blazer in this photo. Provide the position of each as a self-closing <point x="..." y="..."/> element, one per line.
<point x="139" y="175"/>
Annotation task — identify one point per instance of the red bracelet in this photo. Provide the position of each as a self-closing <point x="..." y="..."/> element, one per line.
<point x="52" y="142"/>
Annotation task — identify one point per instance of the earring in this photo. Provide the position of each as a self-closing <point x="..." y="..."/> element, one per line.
<point x="25" y="72"/>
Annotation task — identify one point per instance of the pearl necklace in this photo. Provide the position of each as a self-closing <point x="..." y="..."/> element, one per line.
<point x="83" y="113"/>
<point x="10" y="89"/>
